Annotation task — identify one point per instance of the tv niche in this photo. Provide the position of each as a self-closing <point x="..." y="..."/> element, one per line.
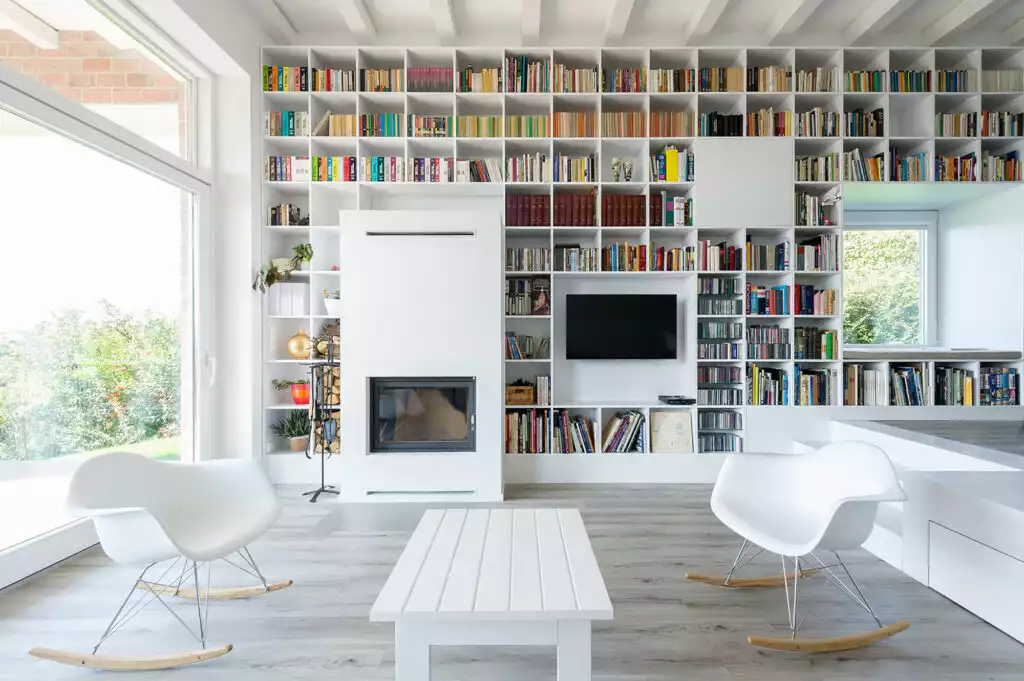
<point x="625" y="326"/>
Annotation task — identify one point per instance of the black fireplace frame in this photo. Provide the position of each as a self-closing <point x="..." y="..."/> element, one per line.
<point x="379" y="383"/>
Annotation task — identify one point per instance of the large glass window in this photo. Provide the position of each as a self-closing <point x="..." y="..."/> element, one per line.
<point x="883" y="286"/>
<point x="96" y="324"/>
<point x="81" y="54"/>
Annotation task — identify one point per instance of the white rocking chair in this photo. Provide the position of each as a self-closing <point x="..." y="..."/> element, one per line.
<point x="182" y="515"/>
<point x="796" y="505"/>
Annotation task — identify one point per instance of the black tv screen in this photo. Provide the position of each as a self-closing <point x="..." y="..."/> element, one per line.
<point x="620" y="327"/>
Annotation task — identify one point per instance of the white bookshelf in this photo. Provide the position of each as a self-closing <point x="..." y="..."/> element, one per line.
<point x="910" y="125"/>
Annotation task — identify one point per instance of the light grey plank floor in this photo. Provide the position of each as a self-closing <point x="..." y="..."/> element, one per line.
<point x="645" y="538"/>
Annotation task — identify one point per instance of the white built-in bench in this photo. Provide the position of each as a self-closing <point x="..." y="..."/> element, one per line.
<point x="495" y="577"/>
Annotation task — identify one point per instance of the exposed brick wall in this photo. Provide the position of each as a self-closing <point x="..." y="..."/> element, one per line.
<point x="86" y="68"/>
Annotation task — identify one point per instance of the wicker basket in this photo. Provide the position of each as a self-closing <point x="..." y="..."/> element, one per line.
<point x="518" y="394"/>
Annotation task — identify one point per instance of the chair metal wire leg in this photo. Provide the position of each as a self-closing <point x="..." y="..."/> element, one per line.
<point x="106" y="632"/>
<point x="252" y="562"/>
<point x="863" y="598"/>
<point x="199" y="607"/>
<point x="748" y="552"/>
<point x="856" y="596"/>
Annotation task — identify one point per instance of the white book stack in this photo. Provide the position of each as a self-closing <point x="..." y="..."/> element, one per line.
<point x="288" y="300"/>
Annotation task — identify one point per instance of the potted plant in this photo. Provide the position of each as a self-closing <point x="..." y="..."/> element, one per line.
<point x="299" y="389"/>
<point x="280" y="269"/>
<point x="332" y="301"/>
<point x="295" y="428"/>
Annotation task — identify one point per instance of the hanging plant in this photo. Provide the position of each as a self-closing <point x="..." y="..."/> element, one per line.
<point x="280" y="269"/>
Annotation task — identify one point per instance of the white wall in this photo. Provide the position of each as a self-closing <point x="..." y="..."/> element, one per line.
<point x="981" y="273"/>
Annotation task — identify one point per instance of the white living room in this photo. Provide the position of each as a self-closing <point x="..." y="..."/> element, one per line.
<point x="551" y="339"/>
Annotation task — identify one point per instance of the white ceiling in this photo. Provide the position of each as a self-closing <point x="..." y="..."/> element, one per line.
<point x="663" y="23"/>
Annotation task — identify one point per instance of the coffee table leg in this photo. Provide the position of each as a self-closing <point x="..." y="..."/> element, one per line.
<point x="574" y="651"/>
<point x="412" y="654"/>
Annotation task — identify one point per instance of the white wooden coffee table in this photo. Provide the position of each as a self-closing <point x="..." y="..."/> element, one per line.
<point x="495" y="577"/>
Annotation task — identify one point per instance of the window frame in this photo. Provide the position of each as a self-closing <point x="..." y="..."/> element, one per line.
<point x="927" y="223"/>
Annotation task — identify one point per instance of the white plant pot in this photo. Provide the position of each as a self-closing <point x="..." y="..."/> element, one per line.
<point x="333" y="306"/>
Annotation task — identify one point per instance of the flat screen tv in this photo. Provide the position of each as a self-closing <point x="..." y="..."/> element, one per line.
<point x="628" y="326"/>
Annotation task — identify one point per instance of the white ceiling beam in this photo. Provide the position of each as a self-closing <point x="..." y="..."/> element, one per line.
<point x="1014" y="33"/>
<point x="954" y="19"/>
<point x="444" y="18"/>
<point x="356" y="17"/>
<point x="876" y="17"/>
<point x="704" y="18"/>
<point x="29" y="26"/>
<point x="618" y="17"/>
<point x="531" y="20"/>
<point x="791" y="18"/>
<point x="277" y="22"/>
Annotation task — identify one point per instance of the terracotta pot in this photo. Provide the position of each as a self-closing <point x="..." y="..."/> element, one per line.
<point x="300" y="393"/>
<point x="298" y="444"/>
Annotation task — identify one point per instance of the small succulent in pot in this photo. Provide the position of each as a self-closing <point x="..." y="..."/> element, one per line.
<point x="296" y="428"/>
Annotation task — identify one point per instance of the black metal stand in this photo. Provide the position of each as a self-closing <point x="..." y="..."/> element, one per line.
<point x="322" y="380"/>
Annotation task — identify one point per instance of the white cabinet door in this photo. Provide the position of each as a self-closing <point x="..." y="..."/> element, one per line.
<point x="744" y="182"/>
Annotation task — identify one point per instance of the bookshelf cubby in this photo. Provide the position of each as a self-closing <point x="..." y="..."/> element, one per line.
<point x="486" y="118"/>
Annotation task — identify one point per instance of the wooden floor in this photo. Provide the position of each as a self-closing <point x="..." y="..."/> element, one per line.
<point x="645" y="538"/>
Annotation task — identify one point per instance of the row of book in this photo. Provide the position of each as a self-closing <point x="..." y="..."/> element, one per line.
<point x="286" y="168"/>
<point x="478" y="126"/>
<point x="527" y="126"/>
<point x="285" y="215"/>
<point x="673" y="259"/>
<point x="721" y="79"/>
<point x="720" y="330"/>
<point x="954" y="387"/>
<point x="672" y="164"/>
<point x="817" y="168"/>
<point x="956" y="168"/>
<point x="762" y="257"/>
<point x="624" y="432"/>
<point x="623" y="210"/>
<point x="863" y="386"/>
<point x="718" y="286"/>
<point x="522" y="346"/>
<point x="431" y="169"/>
<point x="624" y="124"/>
<point x="910" y="168"/>
<point x="718" y="351"/>
<point x="1000" y="167"/>
<point x="576" y="258"/>
<point x="820" y="79"/>
<point x="542" y="390"/>
<point x="334" y="168"/>
<point x="999" y="386"/>
<point x="673" y="123"/>
<point x="527" y="210"/>
<point x="714" y="124"/>
<point x="527" y="259"/>
<point x="767" y="385"/>
<point x="719" y="306"/>
<point x="813" y="210"/>
<point x="383" y="169"/>
<point x="672" y="80"/>
<point x="624" y="79"/>
<point x="956" y="124"/>
<point x="1002" y="124"/>
<point x="817" y="123"/>
<point x="907" y="386"/>
<point x="857" y="168"/>
<point x="956" y="80"/>
<point x="865" y="81"/>
<point x="814" y="386"/>
<point x="382" y="80"/>
<point x="421" y="125"/>
<point x="380" y="124"/>
<point x="534" y="167"/>
<point x="285" y="78"/>
<point x="818" y="254"/>
<point x="430" y="78"/>
<point x="624" y="257"/>
<point x="813" y="301"/>
<point x="523" y="74"/>
<point x="337" y="125"/>
<point x="719" y="442"/>
<point x="526" y="297"/>
<point x="768" y="342"/>
<point x="720" y="420"/>
<point x="813" y="343"/>
<point x="569" y="79"/>
<point x="484" y="80"/>
<point x="671" y="211"/>
<point x="572" y="434"/>
<point x="333" y="80"/>
<point x="574" y="124"/>
<point x="575" y="168"/>
<point x="770" y="123"/>
<point x="718" y="257"/>
<point x="860" y="123"/>
<point x="286" y="123"/>
<point x="908" y="80"/>
<point x="720" y="397"/>
<point x="575" y="210"/>
<point x="1002" y="80"/>
<point x="767" y="300"/>
<point x="720" y="375"/>
<point x="527" y="431"/>
<point x="478" y="170"/>
<point x="769" y="79"/>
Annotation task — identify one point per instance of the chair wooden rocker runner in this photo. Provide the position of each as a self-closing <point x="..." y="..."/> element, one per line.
<point x="179" y="517"/>
<point x="798" y="506"/>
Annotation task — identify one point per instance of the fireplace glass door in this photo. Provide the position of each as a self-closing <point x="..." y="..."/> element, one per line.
<point x="422" y="414"/>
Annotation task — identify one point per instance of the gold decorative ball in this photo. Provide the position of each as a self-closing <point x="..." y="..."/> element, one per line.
<point x="299" y="345"/>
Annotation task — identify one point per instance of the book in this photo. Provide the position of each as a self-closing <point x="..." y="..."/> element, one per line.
<point x="575" y="258"/>
<point x="429" y="78"/>
<point x="575" y="80"/>
<point x="624" y="432"/>
<point x="528" y="210"/>
<point x="767" y="385"/>
<point x="768" y="342"/>
<point x="818" y="79"/>
<point x="527" y="74"/>
<point x="485" y="80"/>
<point x="430" y="126"/>
<point x="768" y="122"/>
<point x="527" y="431"/>
<point x="382" y="80"/>
<point x="999" y="386"/>
<point x="769" y="79"/>
<point x="719" y="442"/>
<point x="907" y="386"/>
<point x="535" y="167"/>
<point x="572" y="434"/>
<point x="478" y="126"/>
<point x="624" y="124"/>
<point x="817" y="168"/>
<point x="672" y="80"/>
<point x="527" y="126"/>
<point x="863" y="386"/>
<point x="717" y="257"/>
<point x="721" y="79"/>
<point x="672" y="431"/>
<point x="865" y="81"/>
<point x="333" y="80"/>
<point x="714" y="124"/>
<point x="954" y="386"/>
<point x="626" y="79"/>
<point x="574" y="124"/>
<point x="815" y="386"/>
<point x="673" y="123"/>
<point x="719" y="420"/>
<point x="860" y="123"/>
<point x="540" y="297"/>
<point x="286" y="123"/>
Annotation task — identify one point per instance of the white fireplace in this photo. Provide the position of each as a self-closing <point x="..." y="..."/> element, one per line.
<point x="421" y="362"/>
